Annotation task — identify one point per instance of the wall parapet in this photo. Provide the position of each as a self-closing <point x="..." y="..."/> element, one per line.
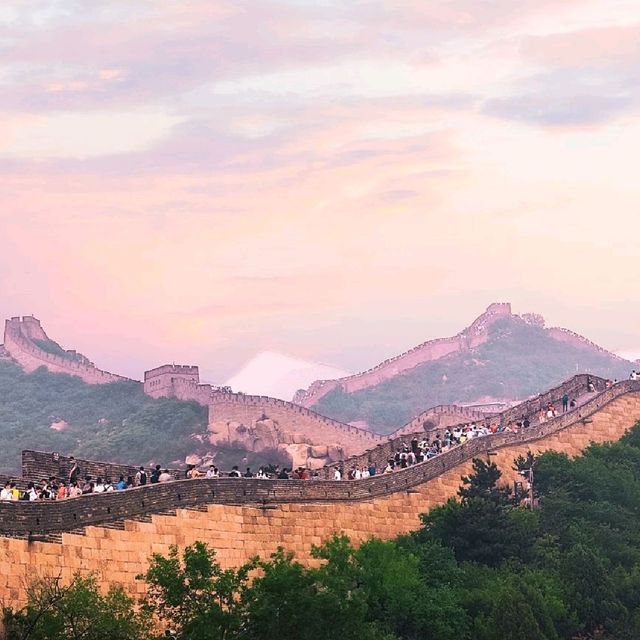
<point x="37" y="465"/>
<point x="26" y="519"/>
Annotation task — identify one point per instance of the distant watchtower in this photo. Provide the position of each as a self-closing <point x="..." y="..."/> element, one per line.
<point x="158" y="382"/>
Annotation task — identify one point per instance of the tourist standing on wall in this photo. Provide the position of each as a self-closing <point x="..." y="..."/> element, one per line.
<point x="74" y="472"/>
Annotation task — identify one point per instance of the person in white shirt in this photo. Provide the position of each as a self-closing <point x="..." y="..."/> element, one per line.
<point x="6" y="493"/>
<point x="336" y="474"/>
<point x="99" y="486"/>
<point x="212" y="472"/>
<point x="32" y="493"/>
<point x="165" y="476"/>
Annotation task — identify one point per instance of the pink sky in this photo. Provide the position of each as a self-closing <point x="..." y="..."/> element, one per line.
<point x="198" y="181"/>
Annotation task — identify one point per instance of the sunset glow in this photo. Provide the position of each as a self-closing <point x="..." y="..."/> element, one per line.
<point x="201" y="180"/>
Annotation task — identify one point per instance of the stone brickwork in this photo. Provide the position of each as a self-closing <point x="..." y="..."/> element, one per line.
<point x="241" y="518"/>
<point x="19" y="334"/>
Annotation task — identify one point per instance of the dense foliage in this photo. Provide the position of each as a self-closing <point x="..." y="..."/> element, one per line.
<point x="518" y="360"/>
<point x="76" y="612"/>
<point x="480" y="568"/>
<point x="115" y="422"/>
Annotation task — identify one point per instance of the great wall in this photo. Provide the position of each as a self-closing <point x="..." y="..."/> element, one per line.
<point x="261" y="422"/>
<point x="255" y="422"/>
<point x="471" y="337"/>
<point x="20" y="335"/>
<point x="114" y="534"/>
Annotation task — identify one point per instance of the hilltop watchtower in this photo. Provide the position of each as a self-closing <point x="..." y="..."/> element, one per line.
<point x="159" y="382"/>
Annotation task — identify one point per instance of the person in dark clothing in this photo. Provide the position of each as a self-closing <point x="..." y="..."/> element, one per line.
<point x="74" y="472"/>
<point x="155" y="475"/>
<point x="565" y="403"/>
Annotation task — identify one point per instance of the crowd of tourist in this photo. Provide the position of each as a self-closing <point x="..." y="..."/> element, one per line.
<point x="53" y="488"/>
<point x="407" y="455"/>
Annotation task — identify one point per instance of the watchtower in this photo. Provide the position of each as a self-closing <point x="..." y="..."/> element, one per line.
<point x="159" y="382"/>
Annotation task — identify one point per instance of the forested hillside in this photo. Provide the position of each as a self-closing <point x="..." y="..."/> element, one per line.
<point x="519" y="360"/>
<point x="116" y="422"/>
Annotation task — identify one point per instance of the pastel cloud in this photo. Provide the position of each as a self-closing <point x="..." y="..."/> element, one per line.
<point x="200" y="180"/>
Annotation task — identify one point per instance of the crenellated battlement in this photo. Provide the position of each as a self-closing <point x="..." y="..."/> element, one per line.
<point x="161" y="381"/>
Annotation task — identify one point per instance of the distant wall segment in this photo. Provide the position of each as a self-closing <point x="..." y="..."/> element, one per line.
<point x="182" y="382"/>
<point x="19" y="336"/>
<point x="471" y="337"/>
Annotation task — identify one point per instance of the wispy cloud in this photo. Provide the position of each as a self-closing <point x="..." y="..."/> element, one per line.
<point x="219" y="176"/>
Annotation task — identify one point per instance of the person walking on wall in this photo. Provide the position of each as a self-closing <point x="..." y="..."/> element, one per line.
<point x="565" y="403"/>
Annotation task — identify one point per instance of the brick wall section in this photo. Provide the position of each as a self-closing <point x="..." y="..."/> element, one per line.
<point x="574" y="387"/>
<point x="298" y="514"/>
<point x="576" y="340"/>
<point x="469" y="338"/>
<point x="18" y="342"/>
<point x="37" y="465"/>
<point x="443" y="415"/>
<point x="316" y="428"/>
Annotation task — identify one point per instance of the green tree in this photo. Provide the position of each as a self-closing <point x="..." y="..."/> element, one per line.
<point x="283" y="601"/>
<point x="76" y="612"/>
<point x="483" y="527"/>
<point x="483" y="483"/>
<point x="194" y="595"/>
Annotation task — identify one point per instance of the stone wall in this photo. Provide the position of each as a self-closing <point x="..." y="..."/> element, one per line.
<point x="37" y="465"/>
<point x="441" y="416"/>
<point x="471" y="337"/>
<point x="378" y="455"/>
<point x="313" y="428"/>
<point x="248" y="517"/>
<point x="576" y="340"/>
<point x="19" y="334"/>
